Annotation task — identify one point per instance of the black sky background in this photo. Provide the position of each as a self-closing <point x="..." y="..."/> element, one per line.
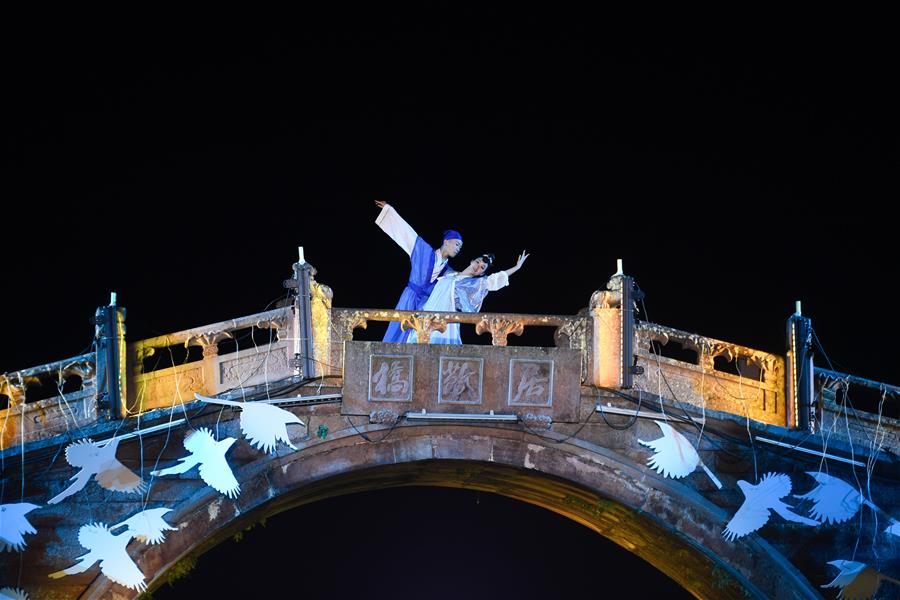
<point x="182" y="168"/>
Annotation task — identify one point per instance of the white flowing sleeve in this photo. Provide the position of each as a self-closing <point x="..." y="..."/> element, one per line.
<point x="399" y="230"/>
<point x="497" y="280"/>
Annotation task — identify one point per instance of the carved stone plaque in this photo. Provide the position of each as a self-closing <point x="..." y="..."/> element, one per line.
<point x="534" y="383"/>
<point x="530" y="382"/>
<point x="460" y="380"/>
<point x="390" y="377"/>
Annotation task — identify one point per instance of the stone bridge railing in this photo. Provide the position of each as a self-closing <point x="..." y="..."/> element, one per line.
<point x="711" y="373"/>
<point x="165" y="371"/>
<point x="23" y="422"/>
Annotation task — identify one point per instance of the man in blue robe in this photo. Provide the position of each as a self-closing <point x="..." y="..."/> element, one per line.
<point x="427" y="263"/>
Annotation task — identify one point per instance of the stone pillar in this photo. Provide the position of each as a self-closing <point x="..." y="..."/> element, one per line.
<point x="321" y="329"/>
<point x="606" y="312"/>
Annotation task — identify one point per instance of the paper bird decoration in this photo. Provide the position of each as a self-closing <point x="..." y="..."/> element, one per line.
<point x="675" y="456"/>
<point x="210" y="455"/>
<point x="110" y="549"/>
<point x="147" y="526"/>
<point x="857" y="580"/>
<point x="14" y="524"/>
<point x="835" y="501"/>
<point x="264" y="424"/>
<point x="759" y="499"/>
<point x="94" y="459"/>
<point x="9" y="593"/>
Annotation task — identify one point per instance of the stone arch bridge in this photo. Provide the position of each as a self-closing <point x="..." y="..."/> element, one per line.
<point x="559" y="427"/>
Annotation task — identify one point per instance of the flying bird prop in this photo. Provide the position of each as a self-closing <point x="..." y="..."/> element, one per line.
<point x="210" y="455"/>
<point x="835" y="501"/>
<point x="857" y="580"/>
<point x="14" y="525"/>
<point x="675" y="456"/>
<point x="147" y="526"/>
<point x="264" y="424"/>
<point x="759" y="499"/>
<point x="110" y="549"/>
<point x="98" y="460"/>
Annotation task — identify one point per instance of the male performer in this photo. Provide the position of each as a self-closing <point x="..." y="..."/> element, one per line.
<point x="427" y="263"/>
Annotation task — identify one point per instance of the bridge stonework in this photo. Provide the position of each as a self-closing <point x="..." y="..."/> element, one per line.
<point x="549" y="426"/>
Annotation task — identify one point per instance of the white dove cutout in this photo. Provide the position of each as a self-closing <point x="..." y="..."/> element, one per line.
<point x="264" y="424"/>
<point x="675" y="456"/>
<point x="14" y="524"/>
<point x="147" y="526"/>
<point x="857" y="580"/>
<point x="759" y="499"/>
<point x="9" y="593"/>
<point x="110" y="550"/>
<point x="100" y="460"/>
<point x="835" y="501"/>
<point x="210" y="455"/>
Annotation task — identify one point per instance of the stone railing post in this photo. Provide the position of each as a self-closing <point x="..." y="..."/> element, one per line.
<point x="606" y="309"/>
<point x="209" y="341"/>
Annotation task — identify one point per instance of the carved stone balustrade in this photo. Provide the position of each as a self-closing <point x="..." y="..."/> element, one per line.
<point x="247" y="366"/>
<point x="571" y="331"/>
<point x="758" y="393"/>
<point x="46" y="418"/>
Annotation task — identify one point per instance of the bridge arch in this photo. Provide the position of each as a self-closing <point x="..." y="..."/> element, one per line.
<point x="668" y="524"/>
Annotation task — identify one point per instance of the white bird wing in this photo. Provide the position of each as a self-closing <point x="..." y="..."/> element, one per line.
<point x="148" y="526"/>
<point x="856" y="580"/>
<point x="675" y="456"/>
<point x="14" y="525"/>
<point x="787" y="514"/>
<point x="216" y="472"/>
<point x="9" y="593"/>
<point x="119" y="567"/>
<point x="265" y="425"/>
<point x="834" y="500"/>
<point x="115" y="476"/>
<point x="773" y="486"/>
<point x="84" y="454"/>
<point x="749" y="517"/>
<point x="199" y="441"/>
<point x="94" y="535"/>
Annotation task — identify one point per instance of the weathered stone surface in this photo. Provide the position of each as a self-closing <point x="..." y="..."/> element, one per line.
<point x="462" y="379"/>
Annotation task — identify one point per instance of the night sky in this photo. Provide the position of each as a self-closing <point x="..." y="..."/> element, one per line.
<point x="182" y="170"/>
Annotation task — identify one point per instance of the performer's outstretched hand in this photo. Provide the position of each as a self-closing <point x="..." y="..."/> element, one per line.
<point x="521" y="260"/>
<point x="380" y="203"/>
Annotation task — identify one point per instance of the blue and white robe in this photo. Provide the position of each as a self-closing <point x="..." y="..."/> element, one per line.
<point x="426" y="265"/>
<point x="455" y="293"/>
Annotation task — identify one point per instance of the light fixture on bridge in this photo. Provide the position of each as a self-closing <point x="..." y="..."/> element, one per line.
<point x="646" y="414"/>
<point x="303" y="400"/>
<point x="466" y="417"/>
<point x="800" y="448"/>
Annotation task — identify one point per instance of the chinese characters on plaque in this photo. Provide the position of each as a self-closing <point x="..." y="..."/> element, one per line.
<point x="460" y="380"/>
<point x="390" y="377"/>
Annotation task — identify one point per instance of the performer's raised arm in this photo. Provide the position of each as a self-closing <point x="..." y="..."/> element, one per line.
<point x="519" y="262"/>
<point x="500" y="279"/>
<point x="394" y="225"/>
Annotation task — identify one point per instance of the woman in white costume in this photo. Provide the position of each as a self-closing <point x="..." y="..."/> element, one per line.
<point x="464" y="292"/>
